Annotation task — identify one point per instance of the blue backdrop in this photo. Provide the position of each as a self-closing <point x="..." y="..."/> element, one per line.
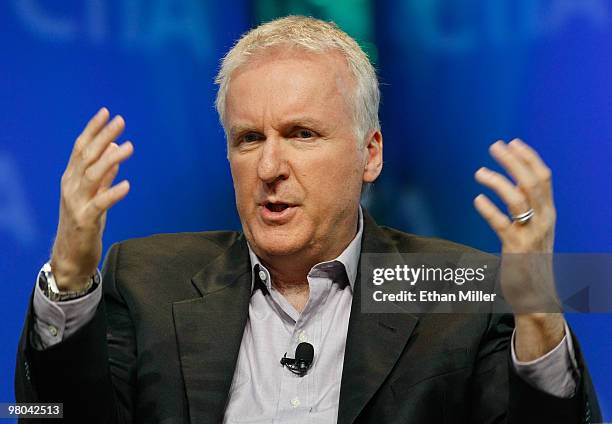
<point x="456" y="76"/>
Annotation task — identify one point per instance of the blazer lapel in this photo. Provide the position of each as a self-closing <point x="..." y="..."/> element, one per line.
<point x="209" y="331"/>
<point x="374" y="341"/>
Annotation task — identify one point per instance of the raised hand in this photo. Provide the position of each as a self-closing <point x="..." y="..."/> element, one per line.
<point x="532" y="191"/>
<point x="86" y="195"/>
<point x="527" y="238"/>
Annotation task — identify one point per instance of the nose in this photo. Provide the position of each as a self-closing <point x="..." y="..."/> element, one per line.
<point x="272" y="166"/>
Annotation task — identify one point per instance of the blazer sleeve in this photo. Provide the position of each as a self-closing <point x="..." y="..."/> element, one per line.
<point x="92" y="372"/>
<point x="499" y="394"/>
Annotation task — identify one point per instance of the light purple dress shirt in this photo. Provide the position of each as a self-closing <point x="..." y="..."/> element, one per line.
<point x="264" y="391"/>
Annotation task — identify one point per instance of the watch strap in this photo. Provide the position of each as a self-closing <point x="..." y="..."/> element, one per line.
<point x="51" y="290"/>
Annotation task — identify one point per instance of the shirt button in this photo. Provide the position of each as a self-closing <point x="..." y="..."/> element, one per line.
<point x="302" y="337"/>
<point x="53" y="330"/>
<point x="262" y="275"/>
<point x="295" y="402"/>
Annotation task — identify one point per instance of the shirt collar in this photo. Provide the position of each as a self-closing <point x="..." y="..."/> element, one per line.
<point x="348" y="260"/>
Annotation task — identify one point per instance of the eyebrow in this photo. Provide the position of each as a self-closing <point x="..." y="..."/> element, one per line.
<point x="298" y="121"/>
<point x="238" y="129"/>
<point x="304" y="122"/>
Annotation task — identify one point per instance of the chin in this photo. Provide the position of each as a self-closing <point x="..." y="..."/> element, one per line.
<point x="277" y="241"/>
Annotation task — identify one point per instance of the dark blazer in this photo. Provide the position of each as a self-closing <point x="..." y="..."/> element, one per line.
<point x="164" y="342"/>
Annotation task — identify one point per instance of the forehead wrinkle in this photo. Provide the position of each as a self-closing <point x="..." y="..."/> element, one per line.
<point x="298" y="94"/>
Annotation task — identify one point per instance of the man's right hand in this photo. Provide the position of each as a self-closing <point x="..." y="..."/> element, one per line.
<point x="86" y="196"/>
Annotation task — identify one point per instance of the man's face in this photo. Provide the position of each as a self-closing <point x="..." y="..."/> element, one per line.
<point x="296" y="164"/>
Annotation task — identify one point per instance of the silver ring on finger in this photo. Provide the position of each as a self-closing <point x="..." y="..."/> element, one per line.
<point x="524" y="217"/>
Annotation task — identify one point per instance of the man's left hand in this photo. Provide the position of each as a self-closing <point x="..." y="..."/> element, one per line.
<point x="527" y="238"/>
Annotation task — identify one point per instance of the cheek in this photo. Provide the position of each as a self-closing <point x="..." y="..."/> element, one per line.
<point x="242" y="182"/>
<point x="336" y="179"/>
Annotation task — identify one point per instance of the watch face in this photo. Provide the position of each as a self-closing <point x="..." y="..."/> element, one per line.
<point x="47" y="284"/>
<point x="43" y="284"/>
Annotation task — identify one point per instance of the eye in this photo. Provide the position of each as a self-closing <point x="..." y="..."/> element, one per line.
<point x="250" y="137"/>
<point x="304" y="133"/>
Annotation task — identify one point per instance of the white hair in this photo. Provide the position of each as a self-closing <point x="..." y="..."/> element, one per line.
<point x="316" y="36"/>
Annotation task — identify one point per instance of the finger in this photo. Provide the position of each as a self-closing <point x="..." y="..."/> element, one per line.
<point x="525" y="179"/>
<point x="108" y="179"/>
<point x="497" y="220"/>
<point x="533" y="160"/>
<point x="98" y="145"/>
<point x="107" y="199"/>
<point x="78" y="180"/>
<point x="514" y="198"/>
<point x="95" y="124"/>
<point x="93" y="176"/>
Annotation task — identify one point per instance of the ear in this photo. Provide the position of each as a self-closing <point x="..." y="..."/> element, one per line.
<point x="374" y="155"/>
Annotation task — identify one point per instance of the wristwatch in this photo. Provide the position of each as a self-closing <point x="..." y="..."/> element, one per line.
<point x="49" y="287"/>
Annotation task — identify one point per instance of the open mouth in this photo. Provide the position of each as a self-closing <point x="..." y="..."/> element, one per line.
<point x="277" y="213"/>
<point x="276" y="207"/>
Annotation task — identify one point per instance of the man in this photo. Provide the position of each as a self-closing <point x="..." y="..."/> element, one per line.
<point x="192" y="326"/>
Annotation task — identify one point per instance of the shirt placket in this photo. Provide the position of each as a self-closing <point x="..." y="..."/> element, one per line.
<point x="298" y="393"/>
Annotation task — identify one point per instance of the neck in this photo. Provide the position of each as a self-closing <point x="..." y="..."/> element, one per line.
<point x="289" y="273"/>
